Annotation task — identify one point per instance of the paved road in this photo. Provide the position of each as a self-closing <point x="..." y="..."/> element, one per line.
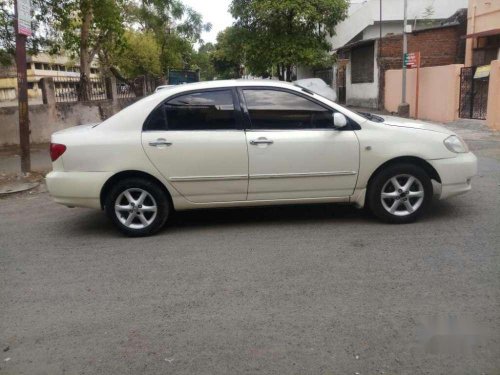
<point x="295" y="290"/>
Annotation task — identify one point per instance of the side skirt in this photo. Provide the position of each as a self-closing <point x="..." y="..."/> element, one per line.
<point x="183" y="204"/>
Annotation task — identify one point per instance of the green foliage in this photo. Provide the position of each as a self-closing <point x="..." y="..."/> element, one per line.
<point x="66" y="20"/>
<point x="229" y="53"/>
<point x="119" y="32"/>
<point x="284" y="33"/>
<point x="175" y="26"/>
<point x="7" y="37"/>
<point x="166" y="16"/>
<point x="202" y="60"/>
<point x="136" y="37"/>
<point x="140" y="56"/>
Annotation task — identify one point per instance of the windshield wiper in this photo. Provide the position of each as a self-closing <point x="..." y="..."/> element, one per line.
<point x="371" y="116"/>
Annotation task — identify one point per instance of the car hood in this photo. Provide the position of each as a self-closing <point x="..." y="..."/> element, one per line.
<point x="415" y="124"/>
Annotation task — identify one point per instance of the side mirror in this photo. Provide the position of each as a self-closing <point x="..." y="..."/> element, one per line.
<point x="339" y="120"/>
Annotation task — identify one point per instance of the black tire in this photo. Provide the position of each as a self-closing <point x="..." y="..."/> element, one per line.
<point x="383" y="181"/>
<point x="157" y="198"/>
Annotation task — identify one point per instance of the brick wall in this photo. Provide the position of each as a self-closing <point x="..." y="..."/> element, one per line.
<point x="436" y="46"/>
<point x="441" y="46"/>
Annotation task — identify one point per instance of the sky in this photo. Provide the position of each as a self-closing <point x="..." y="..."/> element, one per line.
<point x="214" y="11"/>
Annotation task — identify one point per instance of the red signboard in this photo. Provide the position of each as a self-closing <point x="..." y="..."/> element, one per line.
<point x="412" y="59"/>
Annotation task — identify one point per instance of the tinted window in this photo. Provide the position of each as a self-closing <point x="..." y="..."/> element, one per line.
<point x="201" y="111"/>
<point x="156" y="120"/>
<point x="271" y="109"/>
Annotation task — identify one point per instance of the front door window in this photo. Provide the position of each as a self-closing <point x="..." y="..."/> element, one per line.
<point x="273" y="109"/>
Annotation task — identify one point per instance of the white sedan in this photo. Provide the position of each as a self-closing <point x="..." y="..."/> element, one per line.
<point x="251" y="143"/>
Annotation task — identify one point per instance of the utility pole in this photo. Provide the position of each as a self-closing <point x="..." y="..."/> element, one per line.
<point x="380" y="30"/>
<point x="380" y="68"/>
<point x="404" y="107"/>
<point x="21" y="8"/>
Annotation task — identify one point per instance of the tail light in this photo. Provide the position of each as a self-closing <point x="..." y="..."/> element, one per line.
<point x="56" y="150"/>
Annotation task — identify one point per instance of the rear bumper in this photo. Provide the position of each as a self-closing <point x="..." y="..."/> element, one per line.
<point x="77" y="189"/>
<point x="456" y="174"/>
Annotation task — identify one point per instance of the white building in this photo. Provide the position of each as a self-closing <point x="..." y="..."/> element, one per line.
<point x="363" y="23"/>
<point x="60" y="67"/>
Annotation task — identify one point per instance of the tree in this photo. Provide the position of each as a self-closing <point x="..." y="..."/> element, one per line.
<point x="202" y="60"/>
<point x="175" y="26"/>
<point x="140" y="55"/>
<point x="7" y="34"/>
<point x="428" y="15"/>
<point x="284" y="33"/>
<point x="155" y="34"/>
<point x="83" y="28"/>
<point x="229" y="54"/>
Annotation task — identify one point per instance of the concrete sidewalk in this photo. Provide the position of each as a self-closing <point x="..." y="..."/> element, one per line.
<point x="11" y="179"/>
<point x="10" y="161"/>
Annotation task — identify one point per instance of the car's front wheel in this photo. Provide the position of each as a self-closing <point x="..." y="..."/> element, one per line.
<point x="400" y="193"/>
<point x="138" y="207"/>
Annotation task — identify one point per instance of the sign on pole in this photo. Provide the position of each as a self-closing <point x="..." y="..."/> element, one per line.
<point x="24" y="17"/>
<point x="411" y="60"/>
<point x="22" y="25"/>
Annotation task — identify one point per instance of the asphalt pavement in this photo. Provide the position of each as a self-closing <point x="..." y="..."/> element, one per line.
<point x="323" y="289"/>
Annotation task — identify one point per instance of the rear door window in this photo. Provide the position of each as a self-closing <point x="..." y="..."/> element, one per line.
<point x="205" y="110"/>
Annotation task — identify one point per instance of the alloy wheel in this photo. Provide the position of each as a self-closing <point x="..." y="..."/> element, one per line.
<point x="402" y="195"/>
<point x="135" y="208"/>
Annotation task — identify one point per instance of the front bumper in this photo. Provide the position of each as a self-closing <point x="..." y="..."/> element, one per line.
<point x="77" y="189"/>
<point x="455" y="173"/>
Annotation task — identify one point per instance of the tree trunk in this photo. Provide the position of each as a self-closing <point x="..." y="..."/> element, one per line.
<point x="119" y="76"/>
<point x="85" y="87"/>
<point x="280" y="72"/>
<point x="289" y="73"/>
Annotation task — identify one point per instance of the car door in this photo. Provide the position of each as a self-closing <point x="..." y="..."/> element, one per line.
<point x="196" y="142"/>
<point x="294" y="151"/>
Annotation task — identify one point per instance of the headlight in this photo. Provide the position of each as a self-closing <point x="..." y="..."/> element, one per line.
<point x="455" y="144"/>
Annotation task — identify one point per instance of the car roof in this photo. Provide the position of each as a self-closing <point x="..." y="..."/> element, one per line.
<point x="232" y="83"/>
<point x="179" y="89"/>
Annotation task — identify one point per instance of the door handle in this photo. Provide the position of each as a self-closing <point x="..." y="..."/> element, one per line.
<point x="261" y="141"/>
<point x="160" y="142"/>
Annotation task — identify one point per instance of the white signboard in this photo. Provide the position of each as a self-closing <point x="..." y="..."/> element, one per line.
<point x="24" y="17"/>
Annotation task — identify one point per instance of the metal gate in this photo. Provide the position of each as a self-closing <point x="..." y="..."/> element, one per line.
<point x="473" y="95"/>
<point x="325" y="74"/>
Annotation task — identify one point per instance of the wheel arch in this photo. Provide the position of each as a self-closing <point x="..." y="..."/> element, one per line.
<point x="425" y="165"/>
<point x="130" y="174"/>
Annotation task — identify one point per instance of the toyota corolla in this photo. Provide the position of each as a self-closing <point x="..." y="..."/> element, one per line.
<point x="251" y="143"/>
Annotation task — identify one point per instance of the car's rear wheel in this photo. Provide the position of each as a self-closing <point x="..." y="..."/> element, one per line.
<point x="400" y="193"/>
<point x="138" y="207"/>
